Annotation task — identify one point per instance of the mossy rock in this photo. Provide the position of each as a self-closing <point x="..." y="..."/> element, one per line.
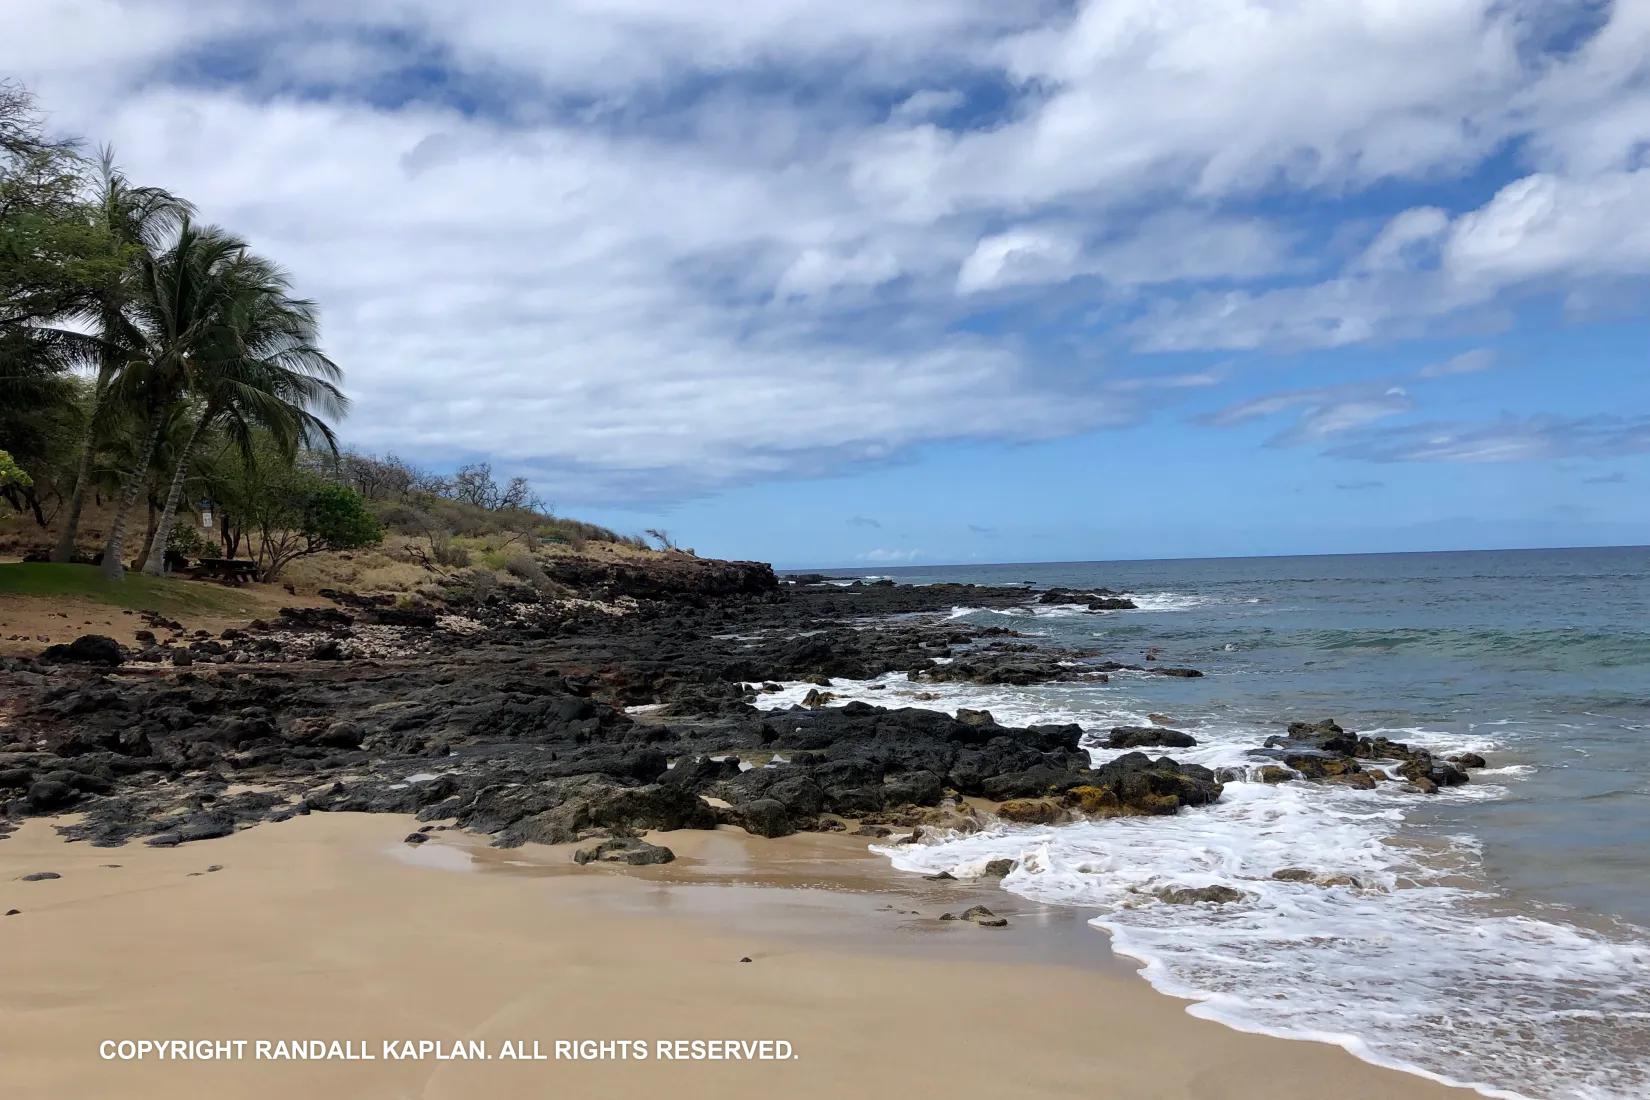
<point x="1032" y="811"/>
<point x="1094" y="801"/>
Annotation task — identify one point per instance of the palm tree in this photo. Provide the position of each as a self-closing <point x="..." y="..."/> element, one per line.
<point x="257" y="369"/>
<point x="135" y="221"/>
<point x="174" y="318"/>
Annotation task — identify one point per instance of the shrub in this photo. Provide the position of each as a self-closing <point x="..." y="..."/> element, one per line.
<point x="523" y="567"/>
<point x="336" y="518"/>
<point x="185" y="539"/>
<point x="471" y="586"/>
<point x="11" y="473"/>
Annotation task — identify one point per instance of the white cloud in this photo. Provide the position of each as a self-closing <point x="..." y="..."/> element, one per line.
<point x="1510" y="439"/>
<point x="926" y="105"/>
<point x="1468" y="362"/>
<point x="883" y="554"/>
<point x="1186" y="380"/>
<point x="1340" y="417"/>
<point x="1326" y="412"/>
<point x="1545" y="225"/>
<point x="1407" y="241"/>
<point x="817" y="271"/>
<point x="1021" y="256"/>
<point x="1177" y="246"/>
<point x="612" y="246"/>
<point x="1206" y="96"/>
<point x="1535" y="232"/>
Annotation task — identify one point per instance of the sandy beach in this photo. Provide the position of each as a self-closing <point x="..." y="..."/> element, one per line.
<point x="329" y="927"/>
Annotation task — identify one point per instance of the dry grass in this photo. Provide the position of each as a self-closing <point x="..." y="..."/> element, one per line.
<point x="43" y="603"/>
<point x="503" y="545"/>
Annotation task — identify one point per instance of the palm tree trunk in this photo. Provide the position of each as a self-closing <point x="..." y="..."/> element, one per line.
<point x="149" y="528"/>
<point x="64" y="551"/>
<point x="113" y="567"/>
<point x="108" y="365"/>
<point x="156" y="565"/>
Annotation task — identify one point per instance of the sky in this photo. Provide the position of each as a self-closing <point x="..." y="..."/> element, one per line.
<point x="927" y="281"/>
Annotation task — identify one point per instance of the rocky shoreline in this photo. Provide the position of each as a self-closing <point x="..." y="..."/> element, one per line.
<point x="625" y="707"/>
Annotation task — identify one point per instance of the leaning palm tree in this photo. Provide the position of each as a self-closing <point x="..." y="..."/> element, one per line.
<point x="260" y="370"/>
<point x="175" y="319"/>
<point x="135" y="221"/>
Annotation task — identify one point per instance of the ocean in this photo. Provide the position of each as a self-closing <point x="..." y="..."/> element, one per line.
<point x="1499" y="934"/>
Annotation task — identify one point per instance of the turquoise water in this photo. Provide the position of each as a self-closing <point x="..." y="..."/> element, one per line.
<point x="1500" y="935"/>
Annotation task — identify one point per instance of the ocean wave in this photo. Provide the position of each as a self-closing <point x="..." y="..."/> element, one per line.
<point x="1407" y="968"/>
<point x="1144" y="601"/>
<point x="1422" y="966"/>
<point x="1168" y="601"/>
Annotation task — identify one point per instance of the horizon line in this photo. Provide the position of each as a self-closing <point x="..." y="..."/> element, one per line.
<point x="1209" y="557"/>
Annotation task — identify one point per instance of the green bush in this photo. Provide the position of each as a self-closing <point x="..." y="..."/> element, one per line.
<point x="337" y="518"/>
<point x="185" y="538"/>
<point x="11" y="473"/>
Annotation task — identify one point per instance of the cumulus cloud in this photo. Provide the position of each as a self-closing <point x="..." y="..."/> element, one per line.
<point x="1581" y="218"/>
<point x="650" y="249"/>
<point x="1021" y="256"/>
<point x="1545" y="225"/>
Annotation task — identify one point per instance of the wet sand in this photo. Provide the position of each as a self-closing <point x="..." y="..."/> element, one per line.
<point x="329" y="927"/>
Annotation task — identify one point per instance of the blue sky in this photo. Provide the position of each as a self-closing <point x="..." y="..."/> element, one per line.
<point x="928" y="281"/>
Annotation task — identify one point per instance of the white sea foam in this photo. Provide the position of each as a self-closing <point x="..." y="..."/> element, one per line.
<point x="1408" y="969"/>
<point x="1167" y="601"/>
<point x="1435" y="741"/>
<point x="1144" y="601"/>
<point x="1418" y="967"/>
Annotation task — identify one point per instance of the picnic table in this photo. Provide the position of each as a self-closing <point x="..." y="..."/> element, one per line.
<point x="227" y="570"/>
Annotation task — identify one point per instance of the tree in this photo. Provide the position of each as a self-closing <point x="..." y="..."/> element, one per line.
<point x="173" y="316"/>
<point x="256" y="367"/>
<point x="386" y="478"/>
<point x="40" y="414"/>
<point x="294" y="513"/>
<point x="51" y="255"/>
<point x="474" y="484"/>
<point x="134" y="222"/>
<point x="51" y="249"/>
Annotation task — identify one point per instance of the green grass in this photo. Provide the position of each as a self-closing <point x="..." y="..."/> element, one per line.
<point x="165" y="595"/>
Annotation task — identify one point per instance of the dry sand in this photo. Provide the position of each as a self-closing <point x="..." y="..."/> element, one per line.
<point x="329" y="927"/>
<point x="48" y="620"/>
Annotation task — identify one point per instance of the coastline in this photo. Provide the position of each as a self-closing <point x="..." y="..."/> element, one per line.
<point x="749" y="726"/>
<point x="327" y="926"/>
